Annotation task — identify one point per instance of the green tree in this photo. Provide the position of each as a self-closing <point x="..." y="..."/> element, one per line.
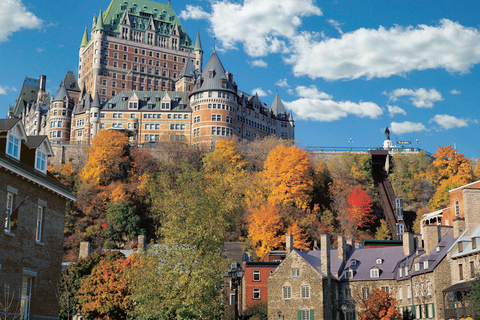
<point x="123" y="223"/>
<point x="473" y="296"/>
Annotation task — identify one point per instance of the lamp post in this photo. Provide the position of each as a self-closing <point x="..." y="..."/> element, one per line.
<point x="280" y="315"/>
<point x="236" y="275"/>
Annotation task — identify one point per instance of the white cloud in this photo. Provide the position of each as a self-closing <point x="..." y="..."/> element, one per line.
<point x="40" y="50"/>
<point x="261" y="26"/>
<point x="282" y="83"/>
<point x="393" y="110"/>
<point x="4" y="90"/>
<point x="449" y="122"/>
<point x="291" y="92"/>
<point x="421" y="98"/>
<point x="193" y="12"/>
<point x="15" y="16"/>
<point x="329" y="110"/>
<point x="406" y="127"/>
<point x="385" y="52"/>
<point x="261" y="92"/>
<point x="311" y="92"/>
<point x="259" y="63"/>
<point x="455" y="91"/>
<point x="336" y="25"/>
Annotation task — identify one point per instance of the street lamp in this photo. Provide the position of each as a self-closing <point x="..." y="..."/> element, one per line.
<point x="280" y="315"/>
<point x="350" y="141"/>
<point x="236" y="275"/>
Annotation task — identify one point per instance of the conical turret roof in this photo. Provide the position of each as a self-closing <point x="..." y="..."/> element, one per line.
<point x="85" y="39"/>
<point x="213" y="75"/>
<point x="96" y="101"/>
<point x="62" y="93"/>
<point x="198" y="43"/>
<point x="277" y="106"/>
<point x="99" y="25"/>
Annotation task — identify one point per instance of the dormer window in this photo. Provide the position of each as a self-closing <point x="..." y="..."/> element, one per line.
<point x="374" y="273"/>
<point x="13" y="147"/>
<point x="349" y="274"/>
<point x="354" y="262"/>
<point x="379" y="261"/>
<point x="417" y="266"/>
<point x="438" y="249"/>
<point x="474" y="243"/>
<point x="41" y="162"/>
<point x="460" y="247"/>
<point x="425" y="265"/>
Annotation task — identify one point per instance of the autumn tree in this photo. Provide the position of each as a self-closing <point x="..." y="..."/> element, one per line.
<point x="287" y="176"/>
<point x="449" y="170"/>
<point x="106" y="157"/>
<point x="359" y="208"/>
<point x="383" y="231"/>
<point x="265" y="228"/>
<point x="123" y="223"/>
<point x="300" y="239"/>
<point x="379" y="306"/>
<point x="105" y="293"/>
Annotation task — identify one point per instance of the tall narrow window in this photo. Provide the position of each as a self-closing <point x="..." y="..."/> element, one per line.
<point x="305" y="292"/>
<point x="13" y="147"/>
<point x="25" y="298"/>
<point x="39" y="223"/>
<point x="460" y="271"/>
<point x="256" y="293"/>
<point x="256" y="275"/>
<point x="9" y="209"/>
<point x="457" y="209"/>
<point x="287" y="293"/>
<point x="472" y="269"/>
<point x="40" y="162"/>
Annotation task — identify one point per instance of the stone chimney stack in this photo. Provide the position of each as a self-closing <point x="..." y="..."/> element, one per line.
<point x="289" y="243"/>
<point x="84" y="250"/>
<point x="342" y="248"/>
<point x="458" y="227"/>
<point x="141" y="242"/>
<point x="408" y="243"/>
<point x="325" y="253"/>
<point x="431" y="237"/>
<point x="471" y="203"/>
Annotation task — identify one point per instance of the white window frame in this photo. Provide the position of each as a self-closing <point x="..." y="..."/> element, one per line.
<point x="41" y="161"/>
<point x="409" y="292"/>
<point x="287" y="293"/>
<point x="13" y="146"/>
<point x="40" y="219"/>
<point x="256" y="293"/>
<point x="400" y="293"/>
<point x="295" y="272"/>
<point x="306" y="292"/>
<point x="305" y="314"/>
<point x="256" y="273"/>
<point x="365" y="292"/>
<point x="374" y="273"/>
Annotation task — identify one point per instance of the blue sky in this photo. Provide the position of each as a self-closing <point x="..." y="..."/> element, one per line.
<point x="347" y="69"/>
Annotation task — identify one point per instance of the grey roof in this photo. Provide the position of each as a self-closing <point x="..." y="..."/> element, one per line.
<point x="70" y="82"/>
<point x="84" y="104"/>
<point x="7" y="124"/>
<point x="35" y="141"/>
<point x="434" y="258"/>
<point x="277" y="106"/>
<point x="120" y="101"/>
<point x="467" y="244"/>
<point x="96" y="101"/>
<point x="62" y="93"/>
<point x="188" y="69"/>
<point x="213" y="82"/>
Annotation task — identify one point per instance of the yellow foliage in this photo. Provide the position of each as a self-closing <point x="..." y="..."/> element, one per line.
<point x="51" y="168"/>
<point x="118" y="194"/>
<point x="300" y="239"/>
<point x="225" y="154"/>
<point x="105" y="157"/>
<point x="264" y="227"/>
<point x="67" y="170"/>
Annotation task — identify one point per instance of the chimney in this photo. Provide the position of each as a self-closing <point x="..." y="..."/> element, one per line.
<point x="43" y="82"/>
<point x="471" y="202"/>
<point x="289" y="243"/>
<point x="84" y="250"/>
<point x="458" y="227"/>
<point x="349" y="243"/>
<point x="431" y="237"/>
<point x="342" y="248"/>
<point x="141" y="242"/>
<point x="408" y="243"/>
<point x="325" y="253"/>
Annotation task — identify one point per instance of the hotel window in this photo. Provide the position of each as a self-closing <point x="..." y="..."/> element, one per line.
<point x="39" y="232"/>
<point x="256" y="275"/>
<point x="305" y="292"/>
<point x="287" y="293"/>
<point x="13" y="147"/>
<point x="256" y="294"/>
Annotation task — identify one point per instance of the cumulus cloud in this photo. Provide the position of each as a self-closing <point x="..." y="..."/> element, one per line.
<point x="421" y="98"/>
<point x="193" y="12"/>
<point x="311" y="92"/>
<point x="261" y="26"/>
<point x="261" y="92"/>
<point x="393" y="110"/>
<point x="15" y="16"/>
<point x="282" y="83"/>
<point x="406" y="127"/>
<point x="259" y="63"/>
<point x="449" y="122"/>
<point x="329" y="110"/>
<point x="4" y="90"/>
<point x="385" y="52"/>
<point x="455" y="91"/>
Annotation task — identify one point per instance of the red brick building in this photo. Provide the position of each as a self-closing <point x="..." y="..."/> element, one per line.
<point x="255" y="282"/>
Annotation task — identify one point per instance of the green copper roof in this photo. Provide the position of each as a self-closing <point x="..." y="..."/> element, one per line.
<point x="198" y="43"/>
<point x="100" y="22"/>
<point x="139" y="13"/>
<point x="85" y="38"/>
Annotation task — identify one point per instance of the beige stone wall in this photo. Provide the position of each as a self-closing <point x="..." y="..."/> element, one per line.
<point x="282" y="276"/>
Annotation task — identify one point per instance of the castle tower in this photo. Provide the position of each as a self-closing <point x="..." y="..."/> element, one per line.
<point x="214" y="103"/>
<point x="59" y="118"/>
<point x="198" y="52"/>
<point x="284" y="124"/>
<point x="94" y="116"/>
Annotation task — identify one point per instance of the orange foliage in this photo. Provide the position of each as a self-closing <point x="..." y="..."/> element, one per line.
<point x="379" y="306"/>
<point x="287" y="176"/>
<point x="359" y="208"/>
<point x="264" y="228"/>
<point x="300" y="239"/>
<point x="105" y="158"/>
<point x="225" y="154"/>
<point x="67" y="170"/>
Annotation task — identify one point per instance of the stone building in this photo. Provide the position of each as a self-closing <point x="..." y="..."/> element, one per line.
<point x="32" y="236"/>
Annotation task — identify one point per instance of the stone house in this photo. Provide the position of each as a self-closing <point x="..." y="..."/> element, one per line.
<point x="32" y="236"/>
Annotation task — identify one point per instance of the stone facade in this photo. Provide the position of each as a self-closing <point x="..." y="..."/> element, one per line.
<point x="32" y="235"/>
